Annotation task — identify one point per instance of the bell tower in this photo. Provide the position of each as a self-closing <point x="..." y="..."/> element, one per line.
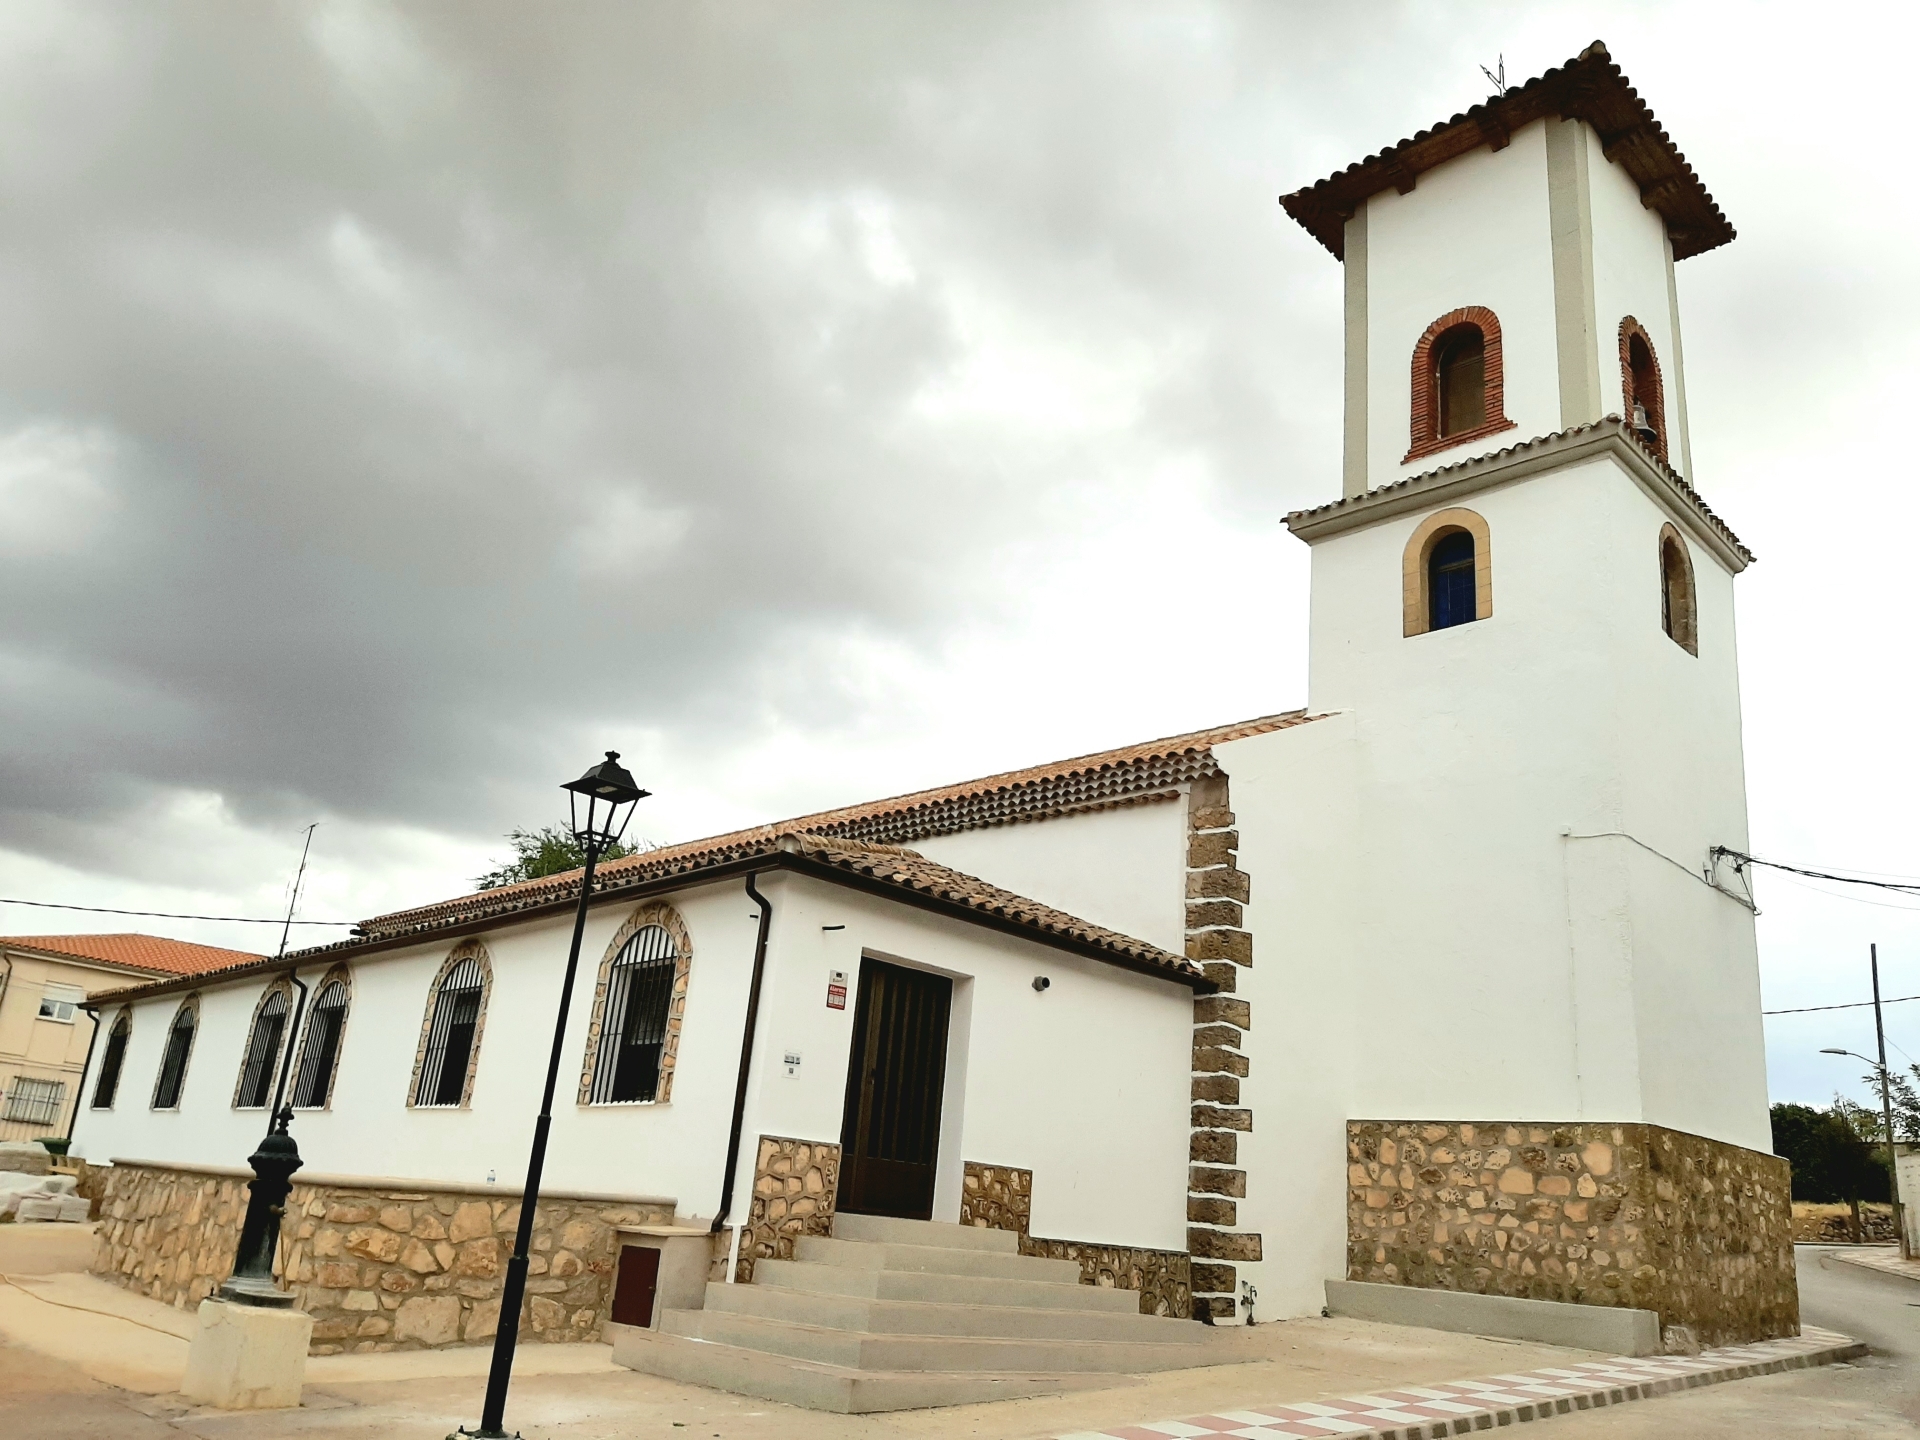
<point x="1522" y="640"/>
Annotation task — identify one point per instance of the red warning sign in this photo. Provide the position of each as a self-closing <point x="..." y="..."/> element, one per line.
<point x="837" y="990"/>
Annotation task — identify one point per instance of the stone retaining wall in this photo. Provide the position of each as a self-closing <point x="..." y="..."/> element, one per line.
<point x="379" y="1265"/>
<point x="795" y="1183"/>
<point x="1633" y="1215"/>
<point x="1000" y="1197"/>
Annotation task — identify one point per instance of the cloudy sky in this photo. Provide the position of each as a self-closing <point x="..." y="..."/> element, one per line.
<point x="401" y="404"/>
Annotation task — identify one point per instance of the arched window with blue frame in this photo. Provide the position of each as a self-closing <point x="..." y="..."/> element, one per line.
<point x="1446" y="572"/>
<point x="1450" y="598"/>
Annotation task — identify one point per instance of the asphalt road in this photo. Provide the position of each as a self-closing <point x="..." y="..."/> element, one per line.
<point x="1877" y="1398"/>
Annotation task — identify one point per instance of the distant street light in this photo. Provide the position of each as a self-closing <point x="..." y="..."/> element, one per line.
<point x="600" y="803"/>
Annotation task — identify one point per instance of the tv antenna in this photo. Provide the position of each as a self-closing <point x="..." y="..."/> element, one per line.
<point x="1499" y="76"/>
<point x="294" y="898"/>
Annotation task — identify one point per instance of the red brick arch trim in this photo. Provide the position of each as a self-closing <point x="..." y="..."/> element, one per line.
<point x="1656" y="403"/>
<point x="1427" y="439"/>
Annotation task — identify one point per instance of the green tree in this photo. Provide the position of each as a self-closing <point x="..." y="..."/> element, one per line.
<point x="1831" y="1153"/>
<point x="550" y="850"/>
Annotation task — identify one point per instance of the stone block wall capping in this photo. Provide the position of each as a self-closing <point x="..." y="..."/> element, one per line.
<point x="1632" y="1215"/>
<point x="1000" y="1197"/>
<point x="1217" y="938"/>
<point x="378" y="1265"/>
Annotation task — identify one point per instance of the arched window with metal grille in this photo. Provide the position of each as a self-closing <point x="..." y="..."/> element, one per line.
<point x="320" y="1050"/>
<point x="108" y="1085"/>
<point x="452" y="1039"/>
<point x="173" y="1064"/>
<point x="262" y="1059"/>
<point x="633" y="1028"/>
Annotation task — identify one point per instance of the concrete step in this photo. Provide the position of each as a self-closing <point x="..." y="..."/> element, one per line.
<point x="833" y="1388"/>
<point x="933" y="1288"/>
<point x="942" y="1353"/>
<point x="885" y="1230"/>
<point x="933" y="1260"/>
<point x="910" y="1317"/>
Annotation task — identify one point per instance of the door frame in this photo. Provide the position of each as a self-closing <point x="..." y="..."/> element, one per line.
<point x="949" y="1169"/>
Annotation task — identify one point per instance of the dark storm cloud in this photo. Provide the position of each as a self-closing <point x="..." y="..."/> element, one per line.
<point x="392" y="399"/>
<point x="406" y="382"/>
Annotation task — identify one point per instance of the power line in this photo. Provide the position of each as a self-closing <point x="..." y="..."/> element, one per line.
<point x="170" y="915"/>
<point x="1905" y="887"/>
<point x="1850" y="1005"/>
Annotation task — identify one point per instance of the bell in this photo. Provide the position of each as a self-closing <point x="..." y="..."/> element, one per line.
<point x="1643" y="428"/>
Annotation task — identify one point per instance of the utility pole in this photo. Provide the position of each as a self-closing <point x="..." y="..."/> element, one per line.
<point x="1886" y="1112"/>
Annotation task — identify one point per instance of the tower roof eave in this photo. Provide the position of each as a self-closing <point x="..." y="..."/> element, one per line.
<point x="1589" y="87"/>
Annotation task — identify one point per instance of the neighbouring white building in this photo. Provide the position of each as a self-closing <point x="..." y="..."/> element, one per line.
<point x="1439" y="980"/>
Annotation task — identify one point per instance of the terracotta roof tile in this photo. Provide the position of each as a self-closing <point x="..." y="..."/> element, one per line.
<point x="139" y="952"/>
<point x="1431" y="479"/>
<point x="1589" y="87"/>
<point x="1063" y="787"/>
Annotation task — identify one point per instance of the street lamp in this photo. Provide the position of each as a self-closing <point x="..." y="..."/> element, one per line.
<point x="1893" y="1167"/>
<point x="600" y="803"/>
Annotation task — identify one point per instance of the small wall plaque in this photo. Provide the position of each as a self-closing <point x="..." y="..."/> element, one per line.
<point x="837" y="990"/>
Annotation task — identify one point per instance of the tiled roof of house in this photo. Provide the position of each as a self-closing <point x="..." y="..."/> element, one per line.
<point x="1589" y="87"/>
<point x="137" y="952"/>
<point x="1305" y="522"/>
<point x="1040" y="792"/>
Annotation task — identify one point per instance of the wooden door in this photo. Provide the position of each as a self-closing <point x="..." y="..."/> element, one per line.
<point x="890" y="1132"/>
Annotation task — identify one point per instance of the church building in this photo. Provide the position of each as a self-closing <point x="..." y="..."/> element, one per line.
<point x="1439" y="980"/>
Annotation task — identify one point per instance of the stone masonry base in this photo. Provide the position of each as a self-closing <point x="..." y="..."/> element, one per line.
<point x="1599" y="1214"/>
<point x="379" y="1265"/>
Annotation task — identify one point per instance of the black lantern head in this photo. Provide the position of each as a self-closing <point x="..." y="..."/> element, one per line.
<point x="601" y="802"/>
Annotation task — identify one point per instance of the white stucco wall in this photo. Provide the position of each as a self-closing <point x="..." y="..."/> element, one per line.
<point x="1473" y="231"/>
<point x="1124" y="868"/>
<point x="1568" y="978"/>
<point x="1085" y="1084"/>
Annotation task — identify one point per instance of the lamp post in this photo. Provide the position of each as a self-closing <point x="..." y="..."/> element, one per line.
<point x="600" y="803"/>
<point x="1893" y="1168"/>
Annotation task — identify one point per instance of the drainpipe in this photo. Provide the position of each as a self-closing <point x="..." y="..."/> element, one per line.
<point x="293" y="1034"/>
<point x="746" y="1059"/>
<point x="80" y="1091"/>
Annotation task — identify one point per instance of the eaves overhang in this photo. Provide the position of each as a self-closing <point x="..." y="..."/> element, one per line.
<point x="1139" y="960"/>
<point x="1589" y="87"/>
<point x="1607" y="437"/>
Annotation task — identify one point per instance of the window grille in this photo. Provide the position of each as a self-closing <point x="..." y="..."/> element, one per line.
<point x="314" y="1084"/>
<point x="633" y="1027"/>
<point x="173" y="1065"/>
<point x="456" y="1019"/>
<point x="263" y="1049"/>
<point x="37" y="1102"/>
<point x="108" y="1084"/>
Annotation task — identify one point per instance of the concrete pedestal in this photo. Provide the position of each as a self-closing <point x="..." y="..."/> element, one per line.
<point x="245" y="1357"/>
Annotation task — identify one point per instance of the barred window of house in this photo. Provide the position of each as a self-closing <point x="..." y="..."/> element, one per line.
<point x="263" y="1051"/>
<point x="313" y="1086"/>
<point x="173" y="1065"/>
<point x="36" y="1102"/>
<point x="451" y="1035"/>
<point x="108" y="1085"/>
<point x="634" y="1031"/>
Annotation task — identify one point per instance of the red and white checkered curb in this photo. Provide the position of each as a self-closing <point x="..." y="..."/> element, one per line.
<point x="1463" y="1406"/>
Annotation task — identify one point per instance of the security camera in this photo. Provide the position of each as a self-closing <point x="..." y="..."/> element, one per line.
<point x="1041" y="982"/>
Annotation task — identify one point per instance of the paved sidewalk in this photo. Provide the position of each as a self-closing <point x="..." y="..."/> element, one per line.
<point x="1464" y="1406"/>
<point x="1884" y="1258"/>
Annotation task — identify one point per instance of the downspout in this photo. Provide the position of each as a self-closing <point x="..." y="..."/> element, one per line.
<point x="80" y="1091"/>
<point x="746" y="1058"/>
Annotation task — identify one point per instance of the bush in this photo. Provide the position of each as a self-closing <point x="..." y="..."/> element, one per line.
<point x="1830" y="1160"/>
